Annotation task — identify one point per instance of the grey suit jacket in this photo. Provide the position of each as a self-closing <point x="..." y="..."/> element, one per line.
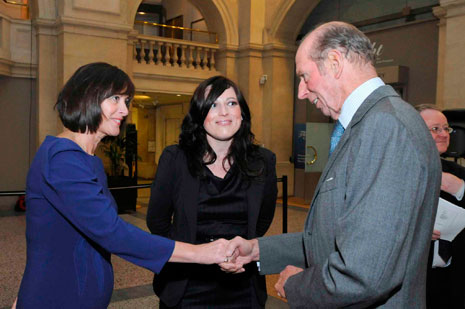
<point x="366" y="239"/>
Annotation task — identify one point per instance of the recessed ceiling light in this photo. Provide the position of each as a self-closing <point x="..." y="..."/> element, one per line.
<point x="142" y="97"/>
<point x="178" y="95"/>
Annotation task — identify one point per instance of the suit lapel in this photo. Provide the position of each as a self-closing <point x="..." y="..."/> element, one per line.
<point x="370" y="101"/>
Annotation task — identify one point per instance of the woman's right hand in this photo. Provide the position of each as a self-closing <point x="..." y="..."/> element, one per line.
<point x="210" y="253"/>
<point x="213" y="252"/>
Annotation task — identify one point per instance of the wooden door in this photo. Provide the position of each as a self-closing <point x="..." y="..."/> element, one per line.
<point x="172" y="130"/>
<point x="174" y="33"/>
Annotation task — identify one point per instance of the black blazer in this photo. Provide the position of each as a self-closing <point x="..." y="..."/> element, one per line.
<point x="453" y="275"/>
<point x="172" y="213"/>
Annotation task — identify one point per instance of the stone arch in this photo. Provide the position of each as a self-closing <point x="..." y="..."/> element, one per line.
<point x="288" y="20"/>
<point x="132" y="7"/>
<point x="218" y="17"/>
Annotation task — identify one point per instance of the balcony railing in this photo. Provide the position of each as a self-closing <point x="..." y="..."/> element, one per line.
<point x="160" y="51"/>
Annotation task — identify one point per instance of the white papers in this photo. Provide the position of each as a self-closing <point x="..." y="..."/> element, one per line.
<point x="450" y="219"/>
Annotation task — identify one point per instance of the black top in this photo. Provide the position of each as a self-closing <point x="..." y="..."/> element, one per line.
<point x="173" y="212"/>
<point x="222" y="207"/>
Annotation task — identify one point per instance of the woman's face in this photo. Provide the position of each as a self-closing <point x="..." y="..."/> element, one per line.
<point x="114" y="110"/>
<point x="224" y="117"/>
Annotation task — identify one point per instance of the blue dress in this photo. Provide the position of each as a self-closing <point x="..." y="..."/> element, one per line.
<point x="72" y="227"/>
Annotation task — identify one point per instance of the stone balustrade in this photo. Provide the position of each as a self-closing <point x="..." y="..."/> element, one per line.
<point x="167" y="52"/>
<point x="17" y="47"/>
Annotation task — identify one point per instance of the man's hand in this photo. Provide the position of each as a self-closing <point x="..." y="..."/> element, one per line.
<point x="436" y="235"/>
<point x="283" y="276"/>
<point x="242" y="252"/>
<point x="450" y="183"/>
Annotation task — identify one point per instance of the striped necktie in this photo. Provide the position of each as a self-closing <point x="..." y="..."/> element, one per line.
<point x="338" y="130"/>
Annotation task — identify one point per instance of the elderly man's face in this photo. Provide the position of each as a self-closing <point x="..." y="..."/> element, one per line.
<point x="317" y="85"/>
<point x="436" y="119"/>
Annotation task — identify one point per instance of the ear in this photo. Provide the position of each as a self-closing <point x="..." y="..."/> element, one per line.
<point x="335" y="63"/>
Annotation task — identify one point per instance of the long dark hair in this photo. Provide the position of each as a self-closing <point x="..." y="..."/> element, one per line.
<point x="193" y="138"/>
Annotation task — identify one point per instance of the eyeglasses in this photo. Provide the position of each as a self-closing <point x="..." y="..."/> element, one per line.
<point x="438" y="130"/>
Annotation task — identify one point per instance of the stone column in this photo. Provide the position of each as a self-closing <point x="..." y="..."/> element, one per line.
<point x="46" y="118"/>
<point x="451" y="64"/>
<point x="440" y="13"/>
<point x="69" y="35"/>
<point x="278" y="106"/>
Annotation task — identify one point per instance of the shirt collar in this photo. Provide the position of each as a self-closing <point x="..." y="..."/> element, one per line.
<point x="356" y="98"/>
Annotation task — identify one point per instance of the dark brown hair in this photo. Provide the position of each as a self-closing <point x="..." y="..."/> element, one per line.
<point x="79" y="101"/>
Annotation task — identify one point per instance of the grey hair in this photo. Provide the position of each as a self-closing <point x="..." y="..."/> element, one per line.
<point x="424" y="107"/>
<point x="353" y="43"/>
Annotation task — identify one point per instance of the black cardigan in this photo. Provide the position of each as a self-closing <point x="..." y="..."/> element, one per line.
<point x="172" y="213"/>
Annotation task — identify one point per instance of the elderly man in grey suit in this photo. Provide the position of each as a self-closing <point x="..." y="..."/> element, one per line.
<point x="366" y="238"/>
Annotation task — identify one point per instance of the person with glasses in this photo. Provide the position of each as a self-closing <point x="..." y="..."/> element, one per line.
<point x="445" y="284"/>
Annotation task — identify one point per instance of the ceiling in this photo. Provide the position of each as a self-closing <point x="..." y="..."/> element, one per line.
<point x="154" y="99"/>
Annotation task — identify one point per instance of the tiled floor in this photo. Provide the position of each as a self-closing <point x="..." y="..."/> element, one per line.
<point x="132" y="287"/>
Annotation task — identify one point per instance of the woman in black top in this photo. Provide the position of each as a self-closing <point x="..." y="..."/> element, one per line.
<point x="215" y="184"/>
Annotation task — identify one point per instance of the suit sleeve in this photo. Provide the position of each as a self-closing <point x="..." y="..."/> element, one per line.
<point x="160" y="209"/>
<point x="268" y="205"/>
<point x="278" y="251"/>
<point x="456" y="170"/>
<point x="71" y="186"/>
<point x="379" y="220"/>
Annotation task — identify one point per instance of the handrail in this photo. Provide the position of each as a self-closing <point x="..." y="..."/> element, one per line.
<point x="175" y="27"/>
<point x="15" y="3"/>
<point x="176" y="41"/>
<point x="282" y="179"/>
<point x="17" y="193"/>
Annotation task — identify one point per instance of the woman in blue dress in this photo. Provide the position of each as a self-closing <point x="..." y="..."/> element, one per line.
<point x="72" y="226"/>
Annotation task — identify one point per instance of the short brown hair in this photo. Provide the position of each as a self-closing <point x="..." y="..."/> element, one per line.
<point x="423" y="107"/>
<point x="79" y="101"/>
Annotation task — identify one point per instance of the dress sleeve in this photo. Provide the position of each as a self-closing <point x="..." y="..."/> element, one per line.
<point x="160" y="208"/>
<point x="71" y="186"/>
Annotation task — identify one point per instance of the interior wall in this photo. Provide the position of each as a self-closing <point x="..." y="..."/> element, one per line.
<point x="353" y="11"/>
<point x="420" y="56"/>
<point x="17" y="137"/>
<point x="190" y="13"/>
<point x="146" y="123"/>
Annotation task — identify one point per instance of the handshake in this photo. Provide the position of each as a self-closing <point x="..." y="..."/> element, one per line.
<point x="230" y="255"/>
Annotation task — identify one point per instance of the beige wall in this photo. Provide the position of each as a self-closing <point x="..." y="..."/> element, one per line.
<point x="257" y="37"/>
<point x="451" y="66"/>
<point x="17" y="131"/>
<point x="420" y="56"/>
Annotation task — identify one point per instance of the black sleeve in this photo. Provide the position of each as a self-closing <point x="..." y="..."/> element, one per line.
<point x="160" y="208"/>
<point x="268" y="205"/>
